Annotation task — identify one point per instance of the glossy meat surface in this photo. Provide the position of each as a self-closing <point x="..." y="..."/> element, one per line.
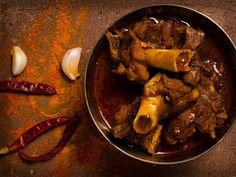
<point x="164" y="44"/>
<point x="181" y="98"/>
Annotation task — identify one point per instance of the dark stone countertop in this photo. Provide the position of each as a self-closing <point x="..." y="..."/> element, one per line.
<point x="45" y="30"/>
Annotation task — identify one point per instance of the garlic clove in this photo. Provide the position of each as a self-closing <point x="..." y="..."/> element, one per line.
<point x="70" y="63"/>
<point x="19" y="60"/>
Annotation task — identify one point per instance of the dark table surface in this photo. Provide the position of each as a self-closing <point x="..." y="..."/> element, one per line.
<point x="45" y="30"/>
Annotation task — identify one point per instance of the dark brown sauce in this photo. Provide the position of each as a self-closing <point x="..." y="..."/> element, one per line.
<point x="214" y="53"/>
<point x="111" y="92"/>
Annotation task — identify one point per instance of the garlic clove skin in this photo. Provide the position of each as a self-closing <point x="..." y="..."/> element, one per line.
<point x="19" y="60"/>
<point x="70" y="63"/>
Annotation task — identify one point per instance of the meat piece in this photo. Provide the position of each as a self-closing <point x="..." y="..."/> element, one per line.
<point x="151" y="141"/>
<point x="123" y="115"/>
<point x="161" y="34"/>
<point x="192" y="77"/>
<point x="137" y="69"/>
<point x="174" y="104"/>
<point x="141" y="30"/>
<point x="126" y="57"/>
<point x="175" y="88"/>
<point x="213" y="113"/>
<point x="221" y="117"/>
<point x="167" y="31"/>
<point x="181" y="128"/>
<point x="184" y="102"/>
<point x="125" y="54"/>
<point x="205" y="65"/>
<point x="149" y="32"/>
<point x="121" y="131"/>
<point x="123" y="119"/>
<point x="174" y="107"/>
<point x="151" y="108"/>
<point x="120" y="69"/>
<point x="127" y="112"/>
<point x="123" y="34"/>
<point x="172" y="60"/>
<point x="154" y="107"/>
<point x="124" y="46"/>
<point x="196" y="62"/>
<point x="207" y="68"/>
<point x="209" y="113"/>
<point x="179" y="30"/>
<point x="206" y="123"/>
<point x="131" y="53"/>
<point x="114" y="43"/>
<point x="205" y="117"/>
<point x="119" y="49"/>
<point x="137" y="72"/>
<point x="193" y="37"/>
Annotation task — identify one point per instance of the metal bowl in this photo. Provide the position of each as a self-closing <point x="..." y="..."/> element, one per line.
<point x="190" y="15"/>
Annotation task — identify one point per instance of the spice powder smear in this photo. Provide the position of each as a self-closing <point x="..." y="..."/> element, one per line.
<point x="49" y="36"/>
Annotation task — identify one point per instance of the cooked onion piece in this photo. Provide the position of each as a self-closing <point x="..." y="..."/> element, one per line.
<point x="19" y="60"/>
<point x="70" y="63"/>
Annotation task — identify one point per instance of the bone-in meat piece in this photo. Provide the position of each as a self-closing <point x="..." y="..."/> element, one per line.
<point x="193" y="37"/>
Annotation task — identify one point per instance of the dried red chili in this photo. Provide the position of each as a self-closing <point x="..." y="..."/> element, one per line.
<point x="68" y="132"/>
<point x="33" y="133"/>
<point x="27" y="87"/>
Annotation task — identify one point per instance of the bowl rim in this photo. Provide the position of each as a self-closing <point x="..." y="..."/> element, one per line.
<point x="86" y="93"/>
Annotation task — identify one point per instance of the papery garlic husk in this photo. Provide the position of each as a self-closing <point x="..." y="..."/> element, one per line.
<point x="19" y="60"/>
<point x="70" y="63"/>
